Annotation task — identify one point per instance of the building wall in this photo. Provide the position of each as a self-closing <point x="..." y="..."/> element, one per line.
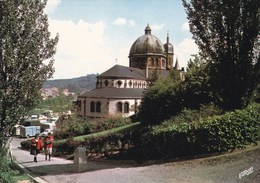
<point x="133" y="105"/>
<point x="108" y="107"/>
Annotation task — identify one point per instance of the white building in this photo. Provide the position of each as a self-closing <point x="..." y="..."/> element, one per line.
<point x="119" y="90"/>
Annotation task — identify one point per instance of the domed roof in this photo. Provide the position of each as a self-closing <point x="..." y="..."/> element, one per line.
<point x="147" y="44"/>
<point x="168" y="46"/>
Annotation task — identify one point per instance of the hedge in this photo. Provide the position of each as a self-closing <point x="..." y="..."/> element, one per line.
<point x="97" y="144"/>
<point x="214" y="134"/>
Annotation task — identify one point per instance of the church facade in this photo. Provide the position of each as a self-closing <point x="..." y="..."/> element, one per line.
<point x="119" y="90"/>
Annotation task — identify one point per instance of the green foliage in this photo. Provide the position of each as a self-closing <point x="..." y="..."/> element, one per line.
<point x="101" y="143"/>
<point x="58" y="104"/>
<point x="214" y="134"/>
<point x="73" y="126"/>
<point x="228" y="33"/>
<point x="26" y="144"/>
<point x="189" y="116"/>
<point x="76" y="126"/>
<point x="167" y="97"/>
<point x="9" y="171"/>
<point x="26" y="59"/>
<point x="196" y="89"/>
<point x="256" y="93"/>
<point x="159" y="101"/>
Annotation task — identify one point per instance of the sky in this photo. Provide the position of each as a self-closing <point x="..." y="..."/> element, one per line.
<point x="94" y="35"/>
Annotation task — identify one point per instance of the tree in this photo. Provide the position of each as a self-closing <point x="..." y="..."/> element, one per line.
<point x="169" y="96"/>
<point x="227" y="31"/>
<point x="26" y="59"/>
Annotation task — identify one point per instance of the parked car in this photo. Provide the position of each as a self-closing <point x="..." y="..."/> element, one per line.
<point x="45" y="132"/>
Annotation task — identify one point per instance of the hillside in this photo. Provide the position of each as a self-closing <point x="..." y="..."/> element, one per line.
<point x="75" y="85"/>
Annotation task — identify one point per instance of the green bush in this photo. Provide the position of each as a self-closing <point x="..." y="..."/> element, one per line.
<point x="67" y="147"/>
<point x="214" y="134"/>
<point x="102" y="143"/>
<point x="72" y="126"/>
<point x="76" y="126"/>
<point x="26" y="144"/>
<point x="189" y="116"/>
<point x="7" y="168"/>
<point x="168" y="97"/>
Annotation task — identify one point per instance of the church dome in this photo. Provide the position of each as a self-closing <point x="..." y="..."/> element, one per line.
<point x="168" y="47"/>
<point x="147" y="45"/>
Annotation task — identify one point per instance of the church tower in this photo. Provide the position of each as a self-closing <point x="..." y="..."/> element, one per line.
<point x="169" y="53"/>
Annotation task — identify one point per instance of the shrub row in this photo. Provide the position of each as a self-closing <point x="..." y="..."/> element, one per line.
<point x="75" y="125"/>
<point x="97" y="146"/>
<point x="214" y="134"/>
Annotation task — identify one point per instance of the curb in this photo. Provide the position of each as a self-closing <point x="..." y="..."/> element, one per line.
<point x="27" y="172"/>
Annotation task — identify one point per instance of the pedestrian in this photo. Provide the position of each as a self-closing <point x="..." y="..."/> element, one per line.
<point x="36" y="146"/>
<point x="48" y="146"/>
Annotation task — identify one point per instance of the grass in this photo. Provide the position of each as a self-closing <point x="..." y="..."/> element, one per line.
<point x="103" y="133"/>
<point x="15" y="174"/>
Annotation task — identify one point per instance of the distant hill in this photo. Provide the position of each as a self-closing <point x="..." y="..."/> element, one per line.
<point x="75" y="85"/>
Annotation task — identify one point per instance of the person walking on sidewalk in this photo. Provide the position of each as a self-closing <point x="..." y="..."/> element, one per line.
<point x="36" y="146"/>
<point x="48" y="146"/>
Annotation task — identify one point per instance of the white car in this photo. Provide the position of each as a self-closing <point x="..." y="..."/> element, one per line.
<point x="45" y="133"/>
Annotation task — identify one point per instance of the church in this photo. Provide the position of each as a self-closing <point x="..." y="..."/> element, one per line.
<point x="119" y="90"/>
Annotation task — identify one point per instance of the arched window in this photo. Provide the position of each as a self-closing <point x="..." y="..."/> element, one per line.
<point x="98" y="107"/>
<point x="106" y="83"/>
<point x="119" y="83"/>
<point x="119" y="107"/>
<point x="92" y="106"/>
<point x="126" y="107"/>
<point x="130" y="83"/>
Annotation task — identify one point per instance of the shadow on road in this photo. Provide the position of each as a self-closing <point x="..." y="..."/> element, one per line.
<point x="57" y="169"/>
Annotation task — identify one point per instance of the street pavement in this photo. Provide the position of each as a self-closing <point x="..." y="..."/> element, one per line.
<point x="209" y="170"/>
<point x="60" y="170"/>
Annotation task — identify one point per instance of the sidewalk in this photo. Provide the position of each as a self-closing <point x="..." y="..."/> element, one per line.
<point x="224" y="168"/>
<point x="58" y="169"/>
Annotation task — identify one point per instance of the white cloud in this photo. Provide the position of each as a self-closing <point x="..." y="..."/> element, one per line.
<point x="185" y="26"/>
<point x="184" y="50"/>
<point x="81" y="49"/>
<point x="122" y="21"/>
<point x="51" y="6"/>
<point x="156" y="26"/>
<point x="131" y="23"/>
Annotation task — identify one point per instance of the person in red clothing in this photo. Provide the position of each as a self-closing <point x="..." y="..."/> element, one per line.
<point x="48" y="146"/>
<point x="36" y="146"/>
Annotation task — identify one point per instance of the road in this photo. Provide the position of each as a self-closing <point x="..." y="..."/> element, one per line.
<point x="225" y="168"/>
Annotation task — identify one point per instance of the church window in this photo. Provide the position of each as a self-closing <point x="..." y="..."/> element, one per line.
<point x="98" y="107"/>
<point x="119" y="83"/>
<point x="135" y="84"/>
<point x="119" y="107"/>
<point x="126" y="107"/>
<point x="92" y="106"/>
<point x="106" y="83"/>
<point x="130" y="83"/>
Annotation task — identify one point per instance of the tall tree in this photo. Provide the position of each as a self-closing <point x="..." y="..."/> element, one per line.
<point x="226" y="31"/>
<point x="26" y="59"/>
